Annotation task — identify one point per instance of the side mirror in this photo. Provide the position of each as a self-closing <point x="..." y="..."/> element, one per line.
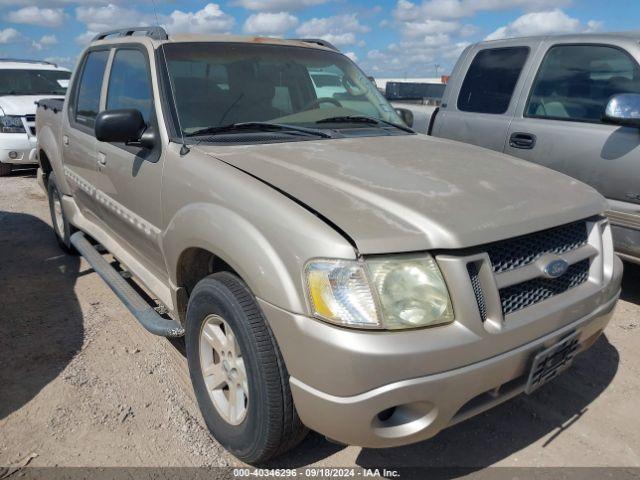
<point x="623" y="109"/>
<point x="123" y="126"/>
<point x="406" y="115"/>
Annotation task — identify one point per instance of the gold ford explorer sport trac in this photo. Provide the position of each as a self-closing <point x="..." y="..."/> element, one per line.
<point x="329" y="268"/>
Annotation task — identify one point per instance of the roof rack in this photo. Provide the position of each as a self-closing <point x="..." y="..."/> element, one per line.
<point x="317" y="41"/>
<point x="156" y="33"/>
<point x="25" y="60"/>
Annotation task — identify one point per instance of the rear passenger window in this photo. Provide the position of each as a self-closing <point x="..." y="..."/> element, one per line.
<point x="130" y="83"/>
<point x="491" y="79"/>
<point x="88" y="100"/>
<point x="575" y="82"/>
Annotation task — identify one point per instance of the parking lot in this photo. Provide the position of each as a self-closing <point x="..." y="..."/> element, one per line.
<point x="82" y="384"/>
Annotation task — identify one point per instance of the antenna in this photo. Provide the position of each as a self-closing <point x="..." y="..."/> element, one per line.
<point x="155" y="12"/>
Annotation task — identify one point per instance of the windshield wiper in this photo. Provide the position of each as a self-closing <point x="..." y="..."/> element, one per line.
<point x="260" y="126"/>
<point x="364" y="119"/>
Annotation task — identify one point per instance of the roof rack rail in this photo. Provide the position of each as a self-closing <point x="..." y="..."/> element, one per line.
<point x="156" y="33"/>
<point x="317" y="41"/>
<point x="25" y="60"/>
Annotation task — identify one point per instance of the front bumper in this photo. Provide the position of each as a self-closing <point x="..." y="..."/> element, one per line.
<point x="20" y="145"/>
<point x="331" y="367"/>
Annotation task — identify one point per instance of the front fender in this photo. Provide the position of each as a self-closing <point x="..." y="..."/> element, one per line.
<point x="234" y="239"/>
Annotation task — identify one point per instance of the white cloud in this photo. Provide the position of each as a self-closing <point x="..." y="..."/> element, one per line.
<point x="10" y="35"/>
<point x="273" y="24"/>
<point x="429" y="27"/>
<point x="352" y="56"/>
<point x="415" y="57"/>
<point x="210" y="19"/>
<point x="593" y="26"/>
<point x="542" y="23"/>
<point x="44" y="17"/>
<point x="48" y="40"/>
<point x="45" y="41"/>
<point x="452" y="9"/>
<point x="277" y="5"/>
<point x="98" y="19"/>
<point x="63" y="3"/>
<point x="68" y="62"/>
<point x="85" y="38"/>
<point x="339" y="30"/>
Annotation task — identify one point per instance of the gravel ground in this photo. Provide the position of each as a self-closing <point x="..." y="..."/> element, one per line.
<point x="82" y="384"/>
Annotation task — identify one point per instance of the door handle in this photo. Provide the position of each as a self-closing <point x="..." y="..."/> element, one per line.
<point x="524" y="141"/>
<point x="102" y="159"/>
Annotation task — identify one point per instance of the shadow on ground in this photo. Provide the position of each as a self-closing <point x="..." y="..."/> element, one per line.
<point x="40" y="318"/>
<point x="631" y="283"/>
<point x="24" y="172"/>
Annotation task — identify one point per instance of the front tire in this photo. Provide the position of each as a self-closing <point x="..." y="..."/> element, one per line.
<point x="61" y="226"/>
<point x="237" y="371"/>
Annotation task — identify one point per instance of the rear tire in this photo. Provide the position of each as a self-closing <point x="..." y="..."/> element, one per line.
<point x="5" y="169"/>
<point x="225" y="324"/>
<point x="61" y="226"/>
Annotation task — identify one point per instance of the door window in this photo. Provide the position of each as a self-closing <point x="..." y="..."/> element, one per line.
<point x="130" y="83"/>
<point x="575" y="82"/>
<point x="88" y="100"/>
<point x="491" y="80"/>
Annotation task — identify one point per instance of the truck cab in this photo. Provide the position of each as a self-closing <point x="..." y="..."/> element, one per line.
<point x="545" y="99"/>
<point x="22" y="84"/>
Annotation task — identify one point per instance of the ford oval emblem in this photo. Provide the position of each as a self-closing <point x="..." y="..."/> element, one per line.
<point x="556" y="268"/>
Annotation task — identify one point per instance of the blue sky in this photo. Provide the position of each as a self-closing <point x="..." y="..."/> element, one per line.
<point x="386" y="37"/>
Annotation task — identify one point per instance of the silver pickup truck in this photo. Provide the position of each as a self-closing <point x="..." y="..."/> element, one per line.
<point x="329" y="268"/>
<point x="568" y="102"/>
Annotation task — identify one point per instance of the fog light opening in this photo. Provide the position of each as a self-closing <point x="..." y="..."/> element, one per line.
<point x="13" y="155"/>
<point x="404" y="420"/>
<point x="386" y="414"/>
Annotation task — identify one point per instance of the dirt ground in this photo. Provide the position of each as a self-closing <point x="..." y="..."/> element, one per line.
<point x="82" y="384"/>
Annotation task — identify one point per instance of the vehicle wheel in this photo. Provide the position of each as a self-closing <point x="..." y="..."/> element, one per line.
<point x="61" y="226"/>
<point x="5" y="169"/>
<point x="238" y="374"/>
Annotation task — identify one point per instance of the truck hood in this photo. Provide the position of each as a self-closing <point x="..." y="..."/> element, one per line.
<point x="22" y="104"/>
<point x="411" y="193"/>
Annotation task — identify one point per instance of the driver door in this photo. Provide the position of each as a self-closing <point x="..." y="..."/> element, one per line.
<point x="129" y="178"/>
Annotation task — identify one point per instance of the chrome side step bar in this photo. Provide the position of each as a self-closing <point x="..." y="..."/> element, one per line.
<point x="145" y="313"/>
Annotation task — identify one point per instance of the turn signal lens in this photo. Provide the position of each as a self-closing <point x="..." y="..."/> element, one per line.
<point x="340" y="293"/>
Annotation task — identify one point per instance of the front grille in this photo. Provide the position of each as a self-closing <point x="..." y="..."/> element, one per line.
<point x="522" y="295"/>
<point x="520" y="251"/>
<point x="30" y="118"/>
<point x="472" y="268"/>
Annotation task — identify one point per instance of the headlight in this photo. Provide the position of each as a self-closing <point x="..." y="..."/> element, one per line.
<point x="387" y="293"/>
<point x="11" y="124"/>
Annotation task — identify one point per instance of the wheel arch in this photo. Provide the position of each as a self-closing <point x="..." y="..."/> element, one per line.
<point x="50" y="159"/>
<point x="203" y="238"/>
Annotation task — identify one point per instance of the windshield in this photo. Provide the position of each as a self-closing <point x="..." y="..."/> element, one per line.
<point x="218" y="84"/>
<point x="33" y="82"/>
